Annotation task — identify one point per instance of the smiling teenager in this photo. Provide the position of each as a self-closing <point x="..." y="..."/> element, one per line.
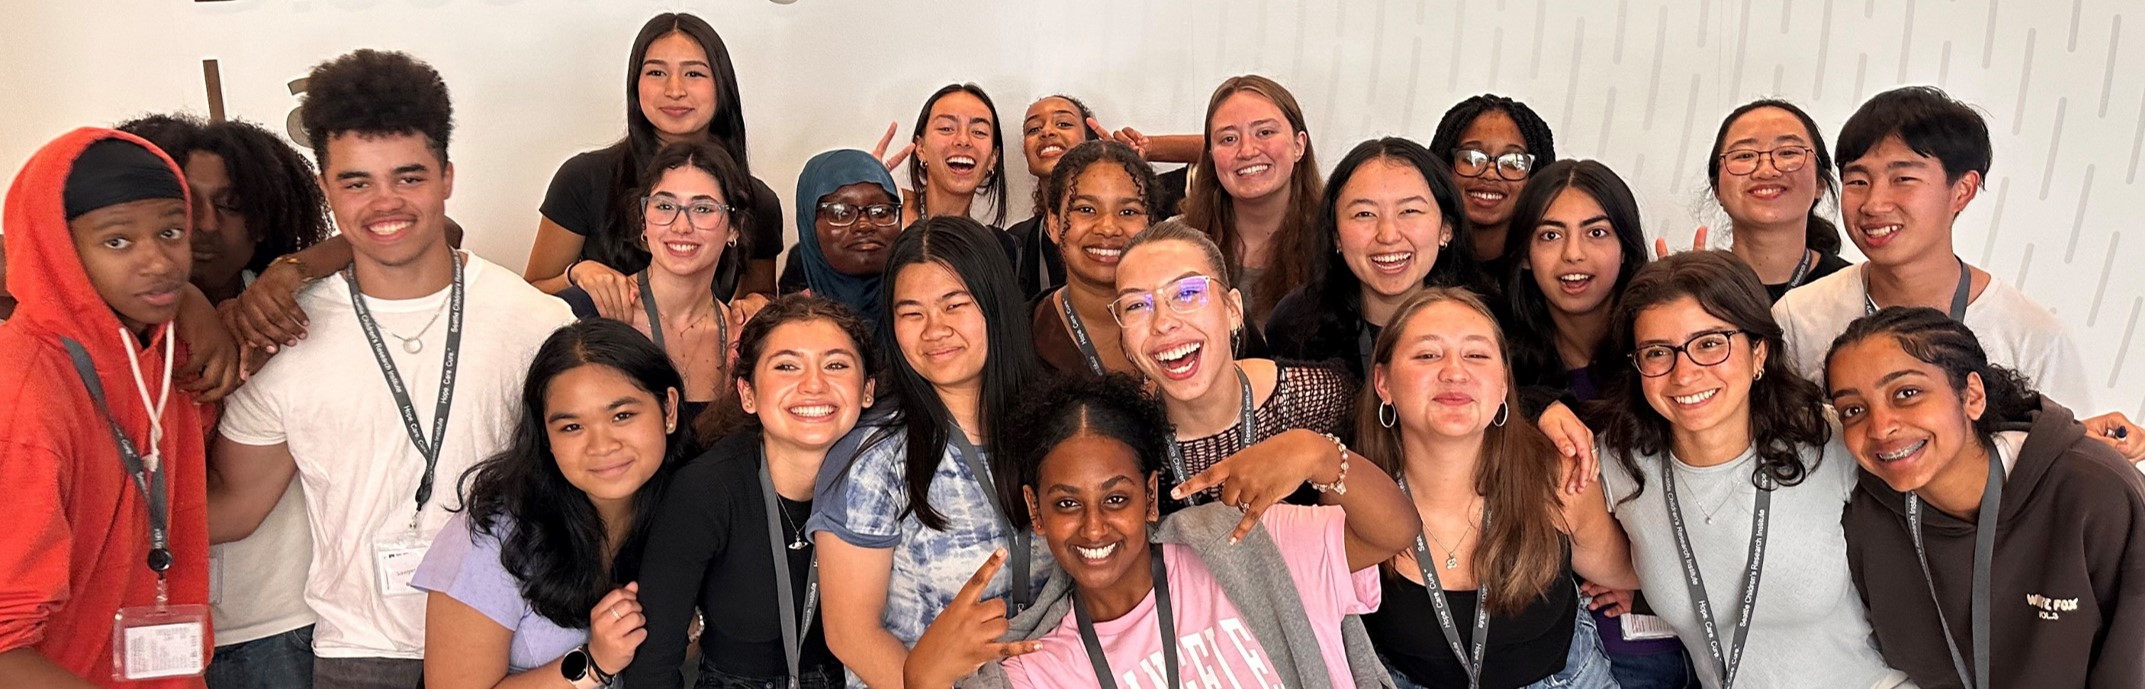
<point x="1264" y="597"/>
<point x="1778" y="172"/>
<point x="689" y="217"/>
<point x="534" y="582"/>
<point x="1493" y="144"/>
<point x="1100" y="196"/>
<point x="1256" y="190"/>
<point x="958" y="157"/>
<point x="1052" y="126"/>
<point x="729" y="539"/>
<point x="411" y="317"/>
<point x="900" y="522"/>
<point x="1730" y="483"/>
<point x="680" y="87"/>
<point x="1439" y="414"/>
<point x="1912" y="159"/>
<point x="1390" y="214"/>
<point x="843" y="243"/>
<point x="2019" y="507"/>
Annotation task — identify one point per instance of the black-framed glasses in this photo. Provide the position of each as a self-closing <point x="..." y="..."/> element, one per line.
<point x="1186" y="295"/>
<point x="843" y="215"/>
<point x="701" y="215"/>
<point x="1705" y="349"/>
<point x="1743" y="161"/>
<point x="1473" y="162"/>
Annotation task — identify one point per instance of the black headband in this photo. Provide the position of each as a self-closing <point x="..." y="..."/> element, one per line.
<point x="115" y="171"/>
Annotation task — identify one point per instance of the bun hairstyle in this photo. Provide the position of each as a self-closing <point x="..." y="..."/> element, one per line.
<point x="1820" y="233"/>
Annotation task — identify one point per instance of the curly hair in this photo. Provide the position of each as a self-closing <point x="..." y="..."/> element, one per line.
<point x="1541" y="143"/>
<point x="752" y="345"/>
<point x="1086" y="133"/>
<point x="1209" y="207"/>
<point x="1933" y="338"/>
<point x="994" y="184"/>
<point x="271" y="183"/>
<point x="370" y="93"/>
<point x="1064" y="179"/>
<point x="1786" y="411"/>
<point x="1114" y="406"/>
<point x="1819" y="233"/>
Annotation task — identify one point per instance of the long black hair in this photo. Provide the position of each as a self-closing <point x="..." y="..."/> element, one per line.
<point x="272" y="185"/>
<point x="969" y="250"/>
<point x="551" y="538"/>
<point x="1933" y="338"/>
<point x="1534" y="357"/>
<point x="612" y="244"/>
<point x="1114" y="406"/>
<point x="1819" y="233"/>
<point x="1786" y="411"/>
<point x="994" y="185"/>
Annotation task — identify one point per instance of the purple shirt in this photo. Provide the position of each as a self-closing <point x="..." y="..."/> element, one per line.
<point x="465" y="566"/>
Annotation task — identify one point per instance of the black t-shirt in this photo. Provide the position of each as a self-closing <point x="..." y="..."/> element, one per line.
<point x="708" y="549"/>
<point x="1827" y="264"/>
<point x="1040" y="269"/>
<point x="579" y="200"/>
<point x="1522" y="649"/>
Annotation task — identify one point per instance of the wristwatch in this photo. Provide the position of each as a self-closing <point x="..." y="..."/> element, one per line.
<point x="580" y="669"/>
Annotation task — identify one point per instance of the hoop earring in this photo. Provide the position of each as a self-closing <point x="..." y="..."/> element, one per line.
<point x="1759" y="376"/>
<point x="732" y="241"/>
<point x="1504" y="413"/>
<point x="1387" y="415"/>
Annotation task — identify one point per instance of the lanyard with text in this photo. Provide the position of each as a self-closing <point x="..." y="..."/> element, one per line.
<point x="148" y="476"/>
<point x="430" y="449"/>
<point x="1958" y="296"/>
<point x="1018" y="598"/>
<point x="1365" y="343"/>
<point x="1103" y="678"/>
<point x="1079" y="333"/>
<point x="1730" y="658"/>
<point x="1470" y="658"/>
<point x="1802" y="269"/>
<point x="794" y="625"/>
<point x="1244" y="431"/>
<point x="1984" y="562"/>
<point x="655" y="319"/>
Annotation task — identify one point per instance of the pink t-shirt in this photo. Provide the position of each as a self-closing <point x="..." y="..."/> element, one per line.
<point x="1214" y="646"/>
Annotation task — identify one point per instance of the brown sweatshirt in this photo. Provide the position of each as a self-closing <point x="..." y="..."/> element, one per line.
<point x="2068" y="584"/>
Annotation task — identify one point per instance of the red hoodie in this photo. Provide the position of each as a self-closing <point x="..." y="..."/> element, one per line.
<point x="76" y="540"/>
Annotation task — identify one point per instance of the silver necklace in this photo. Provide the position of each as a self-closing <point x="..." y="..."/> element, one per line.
<point x="1707" y="514"/>
<point x="797" y="535"/>
<point x="1452" y="559"/>
<point x="415" y="343"/>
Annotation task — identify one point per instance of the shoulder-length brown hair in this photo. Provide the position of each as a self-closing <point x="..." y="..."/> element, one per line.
<point x="1295" y="251"/>
<point x="1523" y="549"/>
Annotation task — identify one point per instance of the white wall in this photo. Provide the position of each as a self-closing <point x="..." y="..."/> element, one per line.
<point x="1640" y="84"/>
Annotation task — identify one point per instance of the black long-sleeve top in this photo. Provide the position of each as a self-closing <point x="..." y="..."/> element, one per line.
<point x="708" y="549"/>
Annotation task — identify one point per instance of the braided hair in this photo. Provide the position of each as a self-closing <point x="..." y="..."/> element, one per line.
<point x="1933" y="338"/>
<point x="1540" y="143"/>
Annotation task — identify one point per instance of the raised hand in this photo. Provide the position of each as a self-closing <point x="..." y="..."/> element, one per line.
<point x="879" y="151"/>
<point x="1698" y="243"/>
<point x="965" y="635"/>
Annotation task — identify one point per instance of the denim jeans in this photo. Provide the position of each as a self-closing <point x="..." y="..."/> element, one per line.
<point x="809" y="678"/>
<point x="280" y="661"/>
<point x="1653" y="671"/>
<point x="1584" y="665"/>
<point x="367" y="673"/>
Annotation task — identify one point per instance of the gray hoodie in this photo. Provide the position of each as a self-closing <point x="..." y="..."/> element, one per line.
<point x="1254" y="577"/>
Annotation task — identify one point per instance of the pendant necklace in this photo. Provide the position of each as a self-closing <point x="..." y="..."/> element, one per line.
<point x="1708" y="514"/>
<point x="797" y="534"/>
<point x="415" y="343"/>
<point x="1452" y="559"/>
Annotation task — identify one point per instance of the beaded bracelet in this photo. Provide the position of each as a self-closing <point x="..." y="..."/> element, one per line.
<point x="1338" y="486"/>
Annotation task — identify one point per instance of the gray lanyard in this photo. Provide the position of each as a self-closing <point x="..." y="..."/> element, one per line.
<point x="655" y="319"/>
<point x="149" y="481"/>
<point x="1020" y="596"/>
<point x="1958" y="296"/>
<point x="1079" y="334"/>
<point x="1244" y="430"/>
<point x="1802" y="269"/>
<point x="1984" y="562"/>
<point x="794" y="624"/>
<point x="1103" y="678"/>
<point x="430" y="449"/>
<point x="1470" y="657"/>
<point x="1730" y="658"/>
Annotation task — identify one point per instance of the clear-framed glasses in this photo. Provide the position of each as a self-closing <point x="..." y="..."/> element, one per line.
<point x="1705" y="349"/>
<point x="1513" y="166"/>
<point x="663" y="211"/>
<point x="844" y="215"/>
<point x="1185" y="295"/>
<point x="1743" y="161"/>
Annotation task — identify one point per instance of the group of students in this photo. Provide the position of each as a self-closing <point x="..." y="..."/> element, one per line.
<point x="1457" y="429"/>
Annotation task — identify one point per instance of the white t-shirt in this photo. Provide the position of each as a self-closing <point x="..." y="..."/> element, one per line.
<point x="2016" y="332"/>
<point x="327" y="400"/>
<point x="1809" y="628"/>
<point x="257" y="584"/>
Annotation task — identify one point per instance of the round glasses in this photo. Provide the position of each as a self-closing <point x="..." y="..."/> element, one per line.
<point x="1705" y="349"/>
<point x="1743" y="161"/>
<point x="1186" y="295"/>
<point x="701" y="215"/>
<point x="1513" y="166"/>
<point x="845" y="215"/>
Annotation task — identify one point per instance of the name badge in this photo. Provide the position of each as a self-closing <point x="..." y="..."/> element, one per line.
<point x="1639" y="627"/>
<point x="153" y="642"/>
<point x="395" y="563"/>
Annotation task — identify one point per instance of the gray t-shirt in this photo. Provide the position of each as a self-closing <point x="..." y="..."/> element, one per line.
<point x="1810" y="629"/>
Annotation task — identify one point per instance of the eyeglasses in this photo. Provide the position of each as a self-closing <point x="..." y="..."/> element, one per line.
<point x="701" y="215"/>
<point x="1743" y="161"/>
<point x="1704" y="349"/>
<point x="844" y="215"/>
<point x="1186" y="295"/>
<point x="1514" y="166"/>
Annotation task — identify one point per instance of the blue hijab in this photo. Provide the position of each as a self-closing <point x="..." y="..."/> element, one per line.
<point x="822" y="175"/>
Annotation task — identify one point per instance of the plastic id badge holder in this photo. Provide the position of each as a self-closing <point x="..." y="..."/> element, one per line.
<point x="395" y="557"/>
<point x="152" y="642"/>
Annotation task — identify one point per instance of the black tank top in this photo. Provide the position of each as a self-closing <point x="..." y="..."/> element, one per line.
<point x="1522" y="649"/>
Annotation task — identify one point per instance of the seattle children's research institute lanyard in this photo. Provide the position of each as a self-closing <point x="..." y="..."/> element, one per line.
<point x="1725" y="659"/>
<point x="1165" y="618"/>
<point x="1018" y="598"/>
<point x="794" y="624"/>
<point x="655" y="319"/>
<point x="1245" y="427"/>
<point x="429" y="448"/>
<point x="1470" y="656"/>
<point x="1079" y="334"/>
<point x="1958" y="295"/>
<point x="1984" y="563"/>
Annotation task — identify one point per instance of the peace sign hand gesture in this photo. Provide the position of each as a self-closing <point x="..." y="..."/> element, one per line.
<point x="965" y="635"/>
<point x="879" y="151"/>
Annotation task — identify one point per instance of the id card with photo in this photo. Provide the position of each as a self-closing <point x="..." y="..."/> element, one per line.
<point x="154" y="643"/>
